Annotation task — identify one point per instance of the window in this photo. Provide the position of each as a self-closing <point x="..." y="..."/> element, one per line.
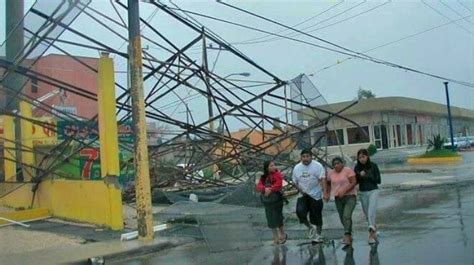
<point x="332" y="140"/>
<point x="377" y="136"/>
<point x="399" y="135"/>
<point x="329" y="138"/>
<point x="409" y="134"/>
<point x="358" y="135"/>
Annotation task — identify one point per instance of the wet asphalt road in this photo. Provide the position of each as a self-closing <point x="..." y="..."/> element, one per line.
<point x="427" y="226"/>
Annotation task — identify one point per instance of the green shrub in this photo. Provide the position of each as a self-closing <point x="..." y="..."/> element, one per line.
<point x="372" y="149"/>
<point x="439" y="153"/>
<point x="436" y="143"/>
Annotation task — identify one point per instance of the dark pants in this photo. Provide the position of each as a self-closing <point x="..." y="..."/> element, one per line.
<point x="345" y="206"/>
<point x="274" y="214"/>
<point x="307" y="204"/>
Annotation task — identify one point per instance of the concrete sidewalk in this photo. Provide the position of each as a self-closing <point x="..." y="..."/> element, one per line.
<point x="79" y="254"/>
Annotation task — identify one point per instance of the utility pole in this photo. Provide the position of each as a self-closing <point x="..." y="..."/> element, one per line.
<point x="14" y="45"/>
<point x="263" y="125"/>
<point x="142" y="173"/>
<point x="187" y="136"/>
<point x="286" y="109"/>
<point x="449" y="117"/>
<point x="14" y="11"/>
<point x="206" y="74"/>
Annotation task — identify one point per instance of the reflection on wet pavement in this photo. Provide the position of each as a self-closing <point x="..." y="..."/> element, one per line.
<point x="434" y="226"/>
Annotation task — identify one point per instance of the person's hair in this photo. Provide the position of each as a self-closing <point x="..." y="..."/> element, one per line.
<point x="265" y="168"/>
<point x="337" y="159"/>
<point x="306" y="152"/>
<point x="365" y="152"/>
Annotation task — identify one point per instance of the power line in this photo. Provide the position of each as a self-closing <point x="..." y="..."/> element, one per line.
<point x="392" y="42"/>
<point x="281" y="31"/>
<point x="351" y="17"/>
<point x="288" y="27"/>
<point x="327" y="48"/>
<point x="150" y="17"/>
<point x="334" y="16"/>
<point x="357" y="54"/>
<point x="462" y="4"/>
<point x="215" y="61"/>
<point x="452" y="9"/>
<point x="335" y="23"/>
<point x="259" y="30"/>
<point x="443" y="15"/>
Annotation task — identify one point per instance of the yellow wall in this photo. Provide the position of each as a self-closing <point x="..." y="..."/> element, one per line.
<point x="9" y="153"/>
<point x="85" y="201"/>
<point x="27" y="155"/>
<point x="108" y="133"/>
<point x="41" y="135"/>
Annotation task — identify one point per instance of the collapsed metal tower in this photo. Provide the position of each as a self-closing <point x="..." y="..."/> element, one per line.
<point x="178" y="79"/>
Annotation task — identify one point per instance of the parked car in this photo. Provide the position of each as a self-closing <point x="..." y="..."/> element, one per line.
<point x="471" y="139"/>
<point x="463" y="142"/>
<point x="190" y="175"/>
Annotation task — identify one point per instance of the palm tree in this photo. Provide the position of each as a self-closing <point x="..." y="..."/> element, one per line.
<point x="365" y="93"/>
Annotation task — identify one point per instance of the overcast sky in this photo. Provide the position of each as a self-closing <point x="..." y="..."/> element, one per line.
<point x="445" y="49"/>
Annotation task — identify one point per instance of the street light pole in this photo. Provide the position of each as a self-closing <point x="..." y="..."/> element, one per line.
<point x="142" y="173"/>
<point x="449" y="117"/>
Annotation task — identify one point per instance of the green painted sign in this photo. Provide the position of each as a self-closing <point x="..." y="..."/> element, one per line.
<point x="87" y="131"/>
<point x="86" y="166"/>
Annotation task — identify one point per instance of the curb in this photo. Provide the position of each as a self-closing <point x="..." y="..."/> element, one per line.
<point x="405" y="187"/>
<point x="434" y="160"/>
<point x="24" y="215"/>
<point x="136" y="252"/>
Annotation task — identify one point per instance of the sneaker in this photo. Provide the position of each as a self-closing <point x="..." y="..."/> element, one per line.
<point x="317" y="238"/>
<point x="311" y="231"/>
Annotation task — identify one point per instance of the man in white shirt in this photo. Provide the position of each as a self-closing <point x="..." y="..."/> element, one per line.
<point x="308" y="176"/>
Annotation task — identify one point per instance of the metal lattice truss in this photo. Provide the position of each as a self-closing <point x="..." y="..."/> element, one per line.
<point x="200" y="107"/>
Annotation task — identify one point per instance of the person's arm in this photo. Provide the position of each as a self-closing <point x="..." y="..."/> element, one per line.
<point x="327" y="187"/>
<point x="361" y="174"/>
<point x="352" y="182"/>
<point x="261" y="186"/>
<point x="277" y="182"/>
<point x="295" y="180"/>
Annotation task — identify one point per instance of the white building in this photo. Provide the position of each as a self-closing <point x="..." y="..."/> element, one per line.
<point x="389" y="122"/>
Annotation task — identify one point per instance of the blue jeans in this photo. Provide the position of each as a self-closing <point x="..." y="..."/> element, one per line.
<point x="368" y="199"/>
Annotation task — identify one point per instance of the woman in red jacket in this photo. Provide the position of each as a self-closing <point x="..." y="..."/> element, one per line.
<point x="269" y="186"/>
